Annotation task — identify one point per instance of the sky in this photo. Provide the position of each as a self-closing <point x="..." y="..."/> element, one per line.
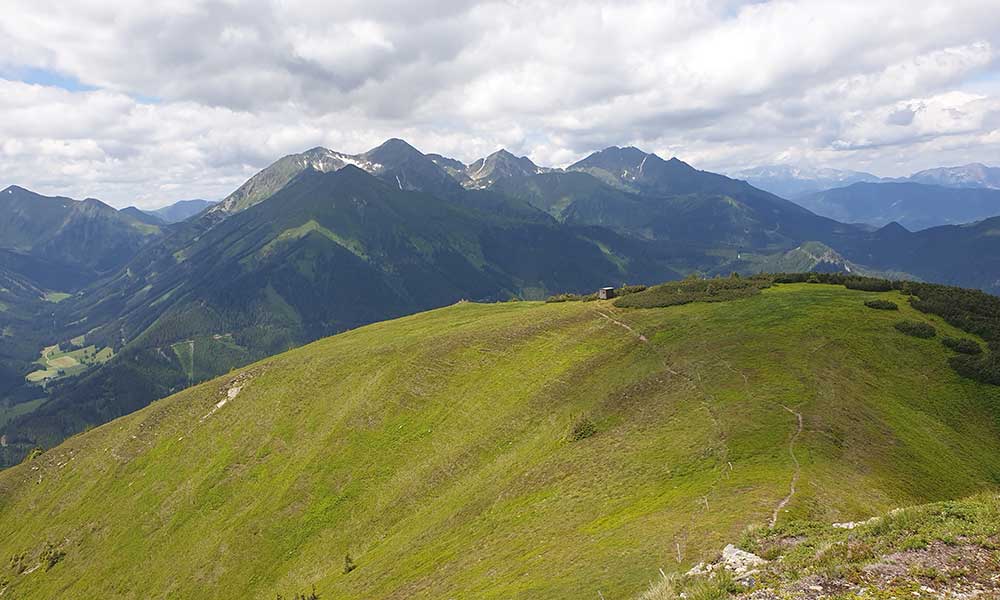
<point x="146" y="103"/>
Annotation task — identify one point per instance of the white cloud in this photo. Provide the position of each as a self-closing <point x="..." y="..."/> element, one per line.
<point x="889" y="86"/>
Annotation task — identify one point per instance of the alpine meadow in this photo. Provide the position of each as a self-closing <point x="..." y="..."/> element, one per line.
<point x="672" y="300"/>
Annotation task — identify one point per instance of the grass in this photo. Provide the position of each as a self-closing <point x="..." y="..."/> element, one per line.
<point x="436" y="450"/>
<point x="57" y="364"/>
<point x="56" y="297"/>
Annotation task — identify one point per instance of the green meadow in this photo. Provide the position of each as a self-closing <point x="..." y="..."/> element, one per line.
<point x="514" y="450"/>
<point x="57" y="363"/>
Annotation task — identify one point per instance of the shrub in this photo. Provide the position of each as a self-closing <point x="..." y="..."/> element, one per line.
<point x="694" y="290"/>
<point x="51" y="555"/>
<point x="563" y="298"/>
<point x="582" y="429"/>
<point x="982" y="368"/>
<point x="916" y="329"/>
<point x="869" y="285"/>
<point x="349" y="564"/>
<point x="882" y="305"/>
<point x="962" y="345"/>
<point x="17" y="563"/>
<point x="629" y="289"/>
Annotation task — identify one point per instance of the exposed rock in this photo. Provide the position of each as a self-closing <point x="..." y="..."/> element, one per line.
<point x="853" y="524"/>
<point x="742" y="564"/>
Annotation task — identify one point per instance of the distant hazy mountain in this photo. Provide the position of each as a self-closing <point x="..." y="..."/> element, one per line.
<point x="791" y="182"/>
<point x="974" y="175"/>
<point x="181" y="210"/>
<point x="949" y="254"/>
<point x="142" y="216"/>
<point x="913" y="205"/>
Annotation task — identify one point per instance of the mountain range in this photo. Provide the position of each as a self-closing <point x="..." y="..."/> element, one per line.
<point x="940" y="196"/>
<point x="913" y="205"/>
<point x="792" y="182"/>
<point x="324" y="241"/>
<point x="974" y="175"/>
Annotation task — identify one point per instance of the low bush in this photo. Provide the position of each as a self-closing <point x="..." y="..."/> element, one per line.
<point x="582" y="429"/>
<point x="629" y="289"/>
<point x="18" y="563"/>
<point x="310" y="596"/>
<point x="869" y="285"/>
<point x="962" y="345"/>
<point x="983" y="367"/>
<point x="694" y="290"/>
<point x="917" y="329"/>
<point x="51" y="555"/>
<point x="563" y="298"/>
<point x="571" y="298"/>
<point x="882" y="305"/>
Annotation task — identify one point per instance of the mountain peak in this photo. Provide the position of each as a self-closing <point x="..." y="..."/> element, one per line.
<point x="502" y="153"/>
<point x="615" y="160"/>
<point x="500" y="164"/>
<point x="970" y="175"/>
<point x="893" y="228"/>
<point x="16" y="190"/>
<point x="392" y="149"/>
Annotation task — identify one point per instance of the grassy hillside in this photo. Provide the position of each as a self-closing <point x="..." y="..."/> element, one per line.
<point x="516" y="450"/>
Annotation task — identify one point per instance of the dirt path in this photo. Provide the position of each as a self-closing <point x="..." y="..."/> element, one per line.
<point x="795" y="476"/>
<point x="641" y="337"/>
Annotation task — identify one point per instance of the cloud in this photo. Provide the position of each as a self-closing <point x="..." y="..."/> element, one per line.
<point x="187" y="98"/>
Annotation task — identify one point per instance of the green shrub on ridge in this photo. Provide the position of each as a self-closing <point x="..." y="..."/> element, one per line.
<point x="882" y="305"/>
<point x="962" y="345"/>
<point x="916" y="329"/>
<point x="694" y="290"/>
